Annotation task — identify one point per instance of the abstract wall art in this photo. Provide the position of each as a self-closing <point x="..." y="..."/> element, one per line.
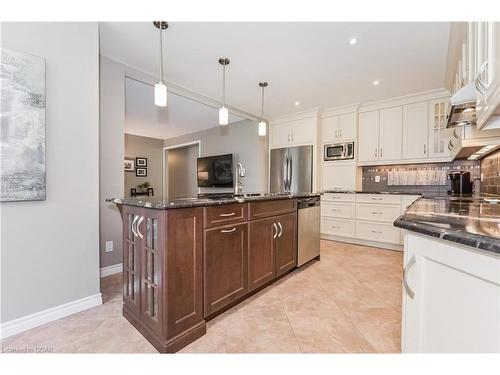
<point x="22" y="132"/>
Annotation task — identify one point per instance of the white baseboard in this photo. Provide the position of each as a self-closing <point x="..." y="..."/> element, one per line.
<point x="19" y="325"/>
<point x="111" y="270"/>
<point x="381" y="245"/>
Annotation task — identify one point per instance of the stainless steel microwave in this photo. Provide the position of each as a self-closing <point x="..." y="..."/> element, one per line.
<point x="339" y="151"/>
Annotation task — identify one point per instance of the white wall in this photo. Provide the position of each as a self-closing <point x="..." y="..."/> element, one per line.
<point x="50" y="249"/>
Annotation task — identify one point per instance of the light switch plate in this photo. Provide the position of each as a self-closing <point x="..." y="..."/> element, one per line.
<point x="109" y="246"/>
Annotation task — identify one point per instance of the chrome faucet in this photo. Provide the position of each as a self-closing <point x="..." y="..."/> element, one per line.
<point x="238" y="179"/>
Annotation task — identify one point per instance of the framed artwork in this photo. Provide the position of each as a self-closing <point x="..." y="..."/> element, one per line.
<point x="141" y="162"/>
<point x="22" y="120"/>
<point x="141" y="172"/>
<point x="129" y="165"/>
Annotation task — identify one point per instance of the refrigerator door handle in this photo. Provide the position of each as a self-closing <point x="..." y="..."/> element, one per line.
<point x="285" y="174"/>
<point x="290" y="167"/>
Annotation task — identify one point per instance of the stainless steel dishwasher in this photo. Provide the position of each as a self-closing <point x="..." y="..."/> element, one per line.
<point x="308" y="229"/>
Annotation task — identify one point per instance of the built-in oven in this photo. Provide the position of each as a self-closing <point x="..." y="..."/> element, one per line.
<point x="339" y="151"/>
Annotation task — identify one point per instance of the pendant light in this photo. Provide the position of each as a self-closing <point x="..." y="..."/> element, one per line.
<point x="223" y="112"/>
<point x="262" y="123"/>
<point x="160" y="87"/>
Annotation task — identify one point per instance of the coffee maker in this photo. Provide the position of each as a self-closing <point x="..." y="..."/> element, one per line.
<point x="460" y="183"/>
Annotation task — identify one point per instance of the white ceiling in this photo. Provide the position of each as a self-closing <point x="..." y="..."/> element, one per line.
<point x="312" y="63"/>
<point x="181" y="116"/>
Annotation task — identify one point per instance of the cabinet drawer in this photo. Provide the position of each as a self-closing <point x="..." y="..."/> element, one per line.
<point x="377" y="212"/>
<point x="378" y="198"/>
<point x="225" y="214"/>
<point x="337" y="227"/>
<point x="272" y="208"/>
<point x="379" y="232"/>
<point x="336" y="209"/>
<point x="338" y="197"/>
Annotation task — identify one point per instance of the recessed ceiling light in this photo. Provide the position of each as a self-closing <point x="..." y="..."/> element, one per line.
<point x="297" y="103"/>
<point x="353" y="41"/>
<point x="376" y="82"/>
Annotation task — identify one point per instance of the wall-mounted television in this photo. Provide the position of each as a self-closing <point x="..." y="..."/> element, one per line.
<point x="215" y="171"/>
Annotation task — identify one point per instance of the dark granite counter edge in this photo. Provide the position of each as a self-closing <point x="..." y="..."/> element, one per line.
<point x="206" y="202"/>
<point x="468" y="239"/>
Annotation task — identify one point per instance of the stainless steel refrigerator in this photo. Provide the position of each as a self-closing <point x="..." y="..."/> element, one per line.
<point x="291" y="170"/>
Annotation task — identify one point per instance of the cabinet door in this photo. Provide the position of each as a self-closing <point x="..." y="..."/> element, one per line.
<point x="261" y="263"/>
<point x="286" y="243"/>
<point x="415" y="125"/>
<point x="329" y="129"/>
<point x="338" y="176"/>
<point x="152" y="228"/>
<point x="438" y="134"/>
<point x="225" y="266"/>
<point x="348" y="127"/>
<point x="368" y="136"/>
<point x="304" y="131"/>
<point x="280" y="134"/>
<point x="131" y="258"/>
<point x="390" y="133"/>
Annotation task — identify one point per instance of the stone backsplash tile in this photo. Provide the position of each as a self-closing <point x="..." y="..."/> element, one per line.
<point x="490" y="170"/>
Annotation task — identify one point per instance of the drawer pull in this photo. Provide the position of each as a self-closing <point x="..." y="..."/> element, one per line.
<point x="227" y="215"/>
<point x="228" y="230"/>
<point x="335" y="226"/>
<point x="377" y="213"/>
<point x="334" y="209"/>
<point x="376" y="231"/>
<point x="377" y="199"/>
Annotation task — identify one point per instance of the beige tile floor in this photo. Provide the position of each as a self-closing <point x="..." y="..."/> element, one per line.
<point x="349" y="302"/>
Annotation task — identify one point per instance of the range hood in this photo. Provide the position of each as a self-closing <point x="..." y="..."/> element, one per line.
<point x="463" y="107"/>
<point x="470" y="143"/>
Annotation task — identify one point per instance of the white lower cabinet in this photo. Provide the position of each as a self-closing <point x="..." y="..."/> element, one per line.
<point x="378" y="232"/>
<point x="338" y="227"/>
<point x="338" y="209"/>
<point x="451" y="298"/>
<point x="377" y="212"/>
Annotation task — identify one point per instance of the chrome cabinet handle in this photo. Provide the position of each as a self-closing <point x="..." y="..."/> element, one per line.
<point x="376" y="152"/>
<point x="425" y="149"/>
<point x="376" y="199"/>
<point x="288" y="137"/>
<point x="410" y="264"/>
<point x="376" y="231"/>
<point x="335" y="226"/>
<point x="137" y="227"/>
<point x="228" y="230"/>
<point x="133" y="225"/>
<point x="377" y="213"/>
<point x="226" y="215"/>
<point x="281" y="229"/>
<point x="380" y="151"/>
<point x="336" y="134"/>
<point x="340" y="133"/>
<point x="275" y="231"/>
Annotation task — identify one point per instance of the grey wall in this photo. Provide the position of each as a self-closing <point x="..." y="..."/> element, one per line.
<point x="181" y="167"/>
<point x="112" y="152"/>
<point x="50" y="249"/>
<point x="240" y="139"/>
<point x="152" y="149"/>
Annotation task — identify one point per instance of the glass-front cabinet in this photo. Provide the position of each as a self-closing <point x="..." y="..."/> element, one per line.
<point x="438" y="134"/>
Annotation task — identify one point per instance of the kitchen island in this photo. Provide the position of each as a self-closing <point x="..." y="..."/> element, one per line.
<point x="186" y="261"/>
<point x="451" y="281"/>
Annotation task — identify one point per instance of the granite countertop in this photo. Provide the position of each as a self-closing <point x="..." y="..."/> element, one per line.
<point x="202" y="201"/>
<point x="371" y="192"/>
<point x="472" y="222"/>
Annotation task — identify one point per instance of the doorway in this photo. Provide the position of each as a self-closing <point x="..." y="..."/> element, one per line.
<point x="179" y="166"/>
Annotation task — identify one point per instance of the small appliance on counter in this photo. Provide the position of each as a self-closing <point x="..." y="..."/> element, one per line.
<point x="460" y="183"/>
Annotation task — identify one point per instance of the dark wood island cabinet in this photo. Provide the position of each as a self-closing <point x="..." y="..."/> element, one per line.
<point x="185" y="265"/>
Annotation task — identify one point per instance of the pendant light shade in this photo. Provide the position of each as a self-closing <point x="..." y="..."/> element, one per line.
<point x="160" y="94"/>
<point x="223" y="112"/>
<point x="160" y="87"/>
<point x="262" y="123"/>
<point x="223" y="116"/>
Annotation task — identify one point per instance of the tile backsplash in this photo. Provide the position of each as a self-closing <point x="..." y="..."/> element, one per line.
<point x="490" y="170"/>
<point x="430" y="178"/>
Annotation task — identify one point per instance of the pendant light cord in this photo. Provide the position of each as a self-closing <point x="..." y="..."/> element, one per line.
<point x="224" y="85"/>
<point x="161" y="54"/>
<point x="262" y="107"/>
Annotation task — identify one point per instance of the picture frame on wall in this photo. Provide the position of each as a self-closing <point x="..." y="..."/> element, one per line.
<point x="128" y="165"/>
<point x="141" y="162"/>
<point x="141" y="172"/>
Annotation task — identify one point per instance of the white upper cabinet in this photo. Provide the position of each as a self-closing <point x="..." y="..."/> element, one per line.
<point x="294" y="133"/>
<point x="368" y="138"/>
<point x="347" y="127"/>
<point x="339" y="128"/>
<point x="415" y="125"/>
<point x="438" y="134"/>
<point x="390" y="133"/>
<point x="329" y="129"/>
